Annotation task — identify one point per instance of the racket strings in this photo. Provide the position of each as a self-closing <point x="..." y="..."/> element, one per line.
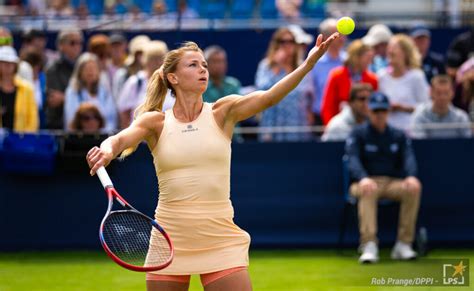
<point x="134" y="240"/>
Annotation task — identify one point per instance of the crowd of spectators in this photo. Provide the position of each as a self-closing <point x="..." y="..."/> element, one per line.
<point x="111" y="72"/>
<point x="285" y="9"/>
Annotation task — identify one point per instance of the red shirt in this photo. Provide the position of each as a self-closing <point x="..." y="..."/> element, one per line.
<point x="337" y="90"/>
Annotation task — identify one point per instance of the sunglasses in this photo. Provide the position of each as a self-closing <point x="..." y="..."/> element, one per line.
<point x="88" y="117"/>
<point x="379" y="110"/>
<point x="75" y="42"/>
<point x="362" y="99"/>
<point x="285" y="41"/>
<point x="6" y="40"/>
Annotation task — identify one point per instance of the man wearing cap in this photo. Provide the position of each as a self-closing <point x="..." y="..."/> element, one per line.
<point x="118" y="54"/>
<point x="433" y="63"/>
<point x="18" y="110"/>
<point x="377" y="37"/>
<point x="382" y="165"/>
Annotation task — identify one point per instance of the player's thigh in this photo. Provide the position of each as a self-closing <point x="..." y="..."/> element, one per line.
<point x="238" y="281"/>
<point x="152" y="285"/>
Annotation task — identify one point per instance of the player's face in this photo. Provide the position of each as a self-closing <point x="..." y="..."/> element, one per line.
<point x="191" y="73"/>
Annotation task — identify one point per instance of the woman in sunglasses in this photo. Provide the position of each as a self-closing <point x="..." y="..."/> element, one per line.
<point x="282" y="58"/>
<point x="87" y="119"/>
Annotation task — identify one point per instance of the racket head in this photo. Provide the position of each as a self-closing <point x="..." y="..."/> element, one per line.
<point x="135" y="241"/>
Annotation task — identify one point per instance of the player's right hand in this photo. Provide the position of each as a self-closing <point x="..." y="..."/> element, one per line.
<point x="97" y="158"/>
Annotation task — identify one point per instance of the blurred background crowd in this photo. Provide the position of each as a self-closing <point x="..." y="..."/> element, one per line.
<point x="91" y="80"/>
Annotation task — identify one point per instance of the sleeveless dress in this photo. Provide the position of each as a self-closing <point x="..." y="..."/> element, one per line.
<point x="192" y="162"/>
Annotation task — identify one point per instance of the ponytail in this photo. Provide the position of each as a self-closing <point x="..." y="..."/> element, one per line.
<point x="155" y="97"/>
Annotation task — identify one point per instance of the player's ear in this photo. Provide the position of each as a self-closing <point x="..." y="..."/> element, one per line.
<point x="172" y="78"/>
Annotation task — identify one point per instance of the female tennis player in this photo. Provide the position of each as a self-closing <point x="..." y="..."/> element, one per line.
<point x="190" y="144"/>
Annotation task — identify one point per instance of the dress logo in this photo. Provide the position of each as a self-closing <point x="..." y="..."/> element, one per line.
<point x="189" y="128"/>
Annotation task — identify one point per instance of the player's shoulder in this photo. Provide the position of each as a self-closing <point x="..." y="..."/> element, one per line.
<point x="151" y="118"/>
<point x="225" y="101"/>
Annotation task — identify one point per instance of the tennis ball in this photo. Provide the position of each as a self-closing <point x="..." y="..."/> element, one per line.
<point x="345" y="25"/>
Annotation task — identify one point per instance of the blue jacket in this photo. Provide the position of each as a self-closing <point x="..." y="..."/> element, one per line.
<point x="372" y="153"/>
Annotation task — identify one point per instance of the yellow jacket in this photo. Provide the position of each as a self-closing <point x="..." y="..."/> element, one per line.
<point x="26" y="111"/>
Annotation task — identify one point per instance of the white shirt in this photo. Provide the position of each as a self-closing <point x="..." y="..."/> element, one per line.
<point x="410" y="89"/>
<point x="134" y="92"/>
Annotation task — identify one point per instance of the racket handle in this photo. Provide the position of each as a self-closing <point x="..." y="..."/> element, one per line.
<point x="104" y="177"/>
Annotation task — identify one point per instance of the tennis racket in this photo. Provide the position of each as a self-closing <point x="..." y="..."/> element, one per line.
<point x="129" y="237"/>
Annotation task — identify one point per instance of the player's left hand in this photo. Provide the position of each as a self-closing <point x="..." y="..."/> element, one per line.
<point x="320" y="48"/>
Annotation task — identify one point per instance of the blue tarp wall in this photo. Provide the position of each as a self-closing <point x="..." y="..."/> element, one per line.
<point x="284" y="194"/>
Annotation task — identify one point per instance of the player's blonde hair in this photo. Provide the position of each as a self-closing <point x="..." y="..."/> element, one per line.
<point x="412" y="56"/>
<point x="158" y="84"/>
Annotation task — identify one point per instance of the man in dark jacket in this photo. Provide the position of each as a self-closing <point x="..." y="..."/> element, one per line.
<point x="69" y="43"/>
<point x="382" y="165"/>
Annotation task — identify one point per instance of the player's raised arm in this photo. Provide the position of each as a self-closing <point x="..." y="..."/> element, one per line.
<point x="243" y="107"/>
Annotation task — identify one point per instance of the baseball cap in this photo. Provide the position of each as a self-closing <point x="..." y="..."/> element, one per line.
<point x="378" y="101"/>
<point x="137" y="43"/>
<point x="301" y="37"/>
<point x="117" y="38"/>
<point x="8" y="54"/>
<point x="377" y="34"/>
<point x="420" y="30"/>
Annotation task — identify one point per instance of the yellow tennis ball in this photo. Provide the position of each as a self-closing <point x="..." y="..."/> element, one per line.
<point x="345" y="25"/>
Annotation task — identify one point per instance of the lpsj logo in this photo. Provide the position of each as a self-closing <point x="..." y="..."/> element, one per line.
<point x="454" y="274"/>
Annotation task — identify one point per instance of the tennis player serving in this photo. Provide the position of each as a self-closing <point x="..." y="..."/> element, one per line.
<point x="190" y="144"/>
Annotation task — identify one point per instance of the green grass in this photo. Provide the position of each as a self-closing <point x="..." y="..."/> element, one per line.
<point x="270" y="270"/>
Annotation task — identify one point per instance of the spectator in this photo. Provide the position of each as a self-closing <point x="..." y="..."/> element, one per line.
<point x="18" y="110"/>
<point x="134" y="90"/>
<point x="99" y="45"/>
<point x="354" y="70"/>
<point x="303" y="39"/>
<point x="85" y="86"/>
<point x="433" y="63"/>
<point x="220" y="84"/>
<point x="37" y="40"/>
<point x="464" y="96"/>
<point x="333" y="58"/>
<point x="382" y="165"/>
<point x="281" y="59"/>
<point x="69" y="43"/>
<point x="37" y="60"/>
<point x="459" y="51"/>
<point x="403" y="82"/>
<point x="59" y="8"/>
<point x="133" y="63"/>
<point x="440" y="111"/>
<point x="342" y="124"/>
<point x="377" y="37"/>
<point x="118" y="54"/>
<point x="289" y="9"/>
<point x="24" y="70"/>
<point x="87" y="119"/>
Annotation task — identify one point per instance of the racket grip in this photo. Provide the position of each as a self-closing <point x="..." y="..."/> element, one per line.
<point x="104" y="177"/>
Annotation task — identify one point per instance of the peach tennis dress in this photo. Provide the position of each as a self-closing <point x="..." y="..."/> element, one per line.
<point x="192" y="162"/>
